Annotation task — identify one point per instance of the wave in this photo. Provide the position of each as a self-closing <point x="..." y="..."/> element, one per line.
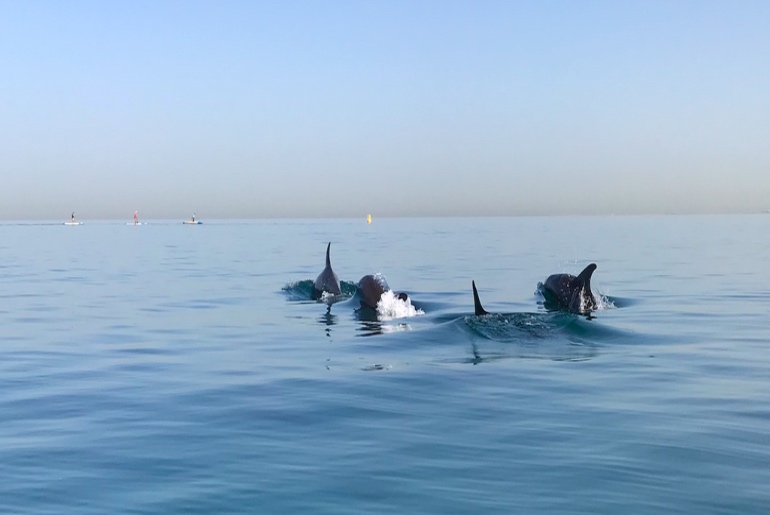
<point x="550" y="336"/>
<point x="300" y="291"/>
<point x="556" y="335"/>
<point x="506" y="327"/>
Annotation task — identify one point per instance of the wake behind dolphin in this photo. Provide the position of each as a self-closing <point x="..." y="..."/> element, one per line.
<point x="521" y="328"/>
<point x="327" y="281"/>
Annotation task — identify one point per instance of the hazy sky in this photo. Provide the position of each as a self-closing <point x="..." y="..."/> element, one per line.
<point x="238" y="109"/>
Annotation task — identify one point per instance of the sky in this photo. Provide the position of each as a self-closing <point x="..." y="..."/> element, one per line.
<point x="273" y="109"/>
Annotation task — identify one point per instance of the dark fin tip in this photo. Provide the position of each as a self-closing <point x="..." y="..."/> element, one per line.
<point x="328" y="261"/>
<point x="476" y="302"/>
<point x="583" y="282"/>
<point x="585" y="275"/>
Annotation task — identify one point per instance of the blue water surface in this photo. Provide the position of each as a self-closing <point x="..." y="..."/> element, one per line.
<point x="185" y="369"/>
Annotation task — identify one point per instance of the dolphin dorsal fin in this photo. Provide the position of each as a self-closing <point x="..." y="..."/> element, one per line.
<point x="328" y="261"/>
<point x="584" y="279"/>
<point x="476" y="302"/>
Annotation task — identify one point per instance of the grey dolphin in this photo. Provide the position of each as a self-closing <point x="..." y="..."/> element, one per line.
<point x="477" y="303"/>
<point x="327" y="281"/>
<point x="370" y="289"/>
<point x="571" y="293"/>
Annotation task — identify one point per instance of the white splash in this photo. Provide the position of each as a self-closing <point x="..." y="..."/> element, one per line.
<point x="328" y="297"/>
<point x="390" y="307"/>
<point x="603" y="301"/>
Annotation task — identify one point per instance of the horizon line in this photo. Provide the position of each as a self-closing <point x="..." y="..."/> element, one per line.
<point x="364" y="217"/>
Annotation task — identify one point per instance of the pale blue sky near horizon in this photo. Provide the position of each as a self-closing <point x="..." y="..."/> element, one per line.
<point x="242" y="109"/>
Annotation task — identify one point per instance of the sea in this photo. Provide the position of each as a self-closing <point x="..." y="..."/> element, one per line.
<point x="171" y="368"/>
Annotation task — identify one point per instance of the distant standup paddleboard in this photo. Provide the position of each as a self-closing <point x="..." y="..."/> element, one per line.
<point x="72" y="221"/>
<point x="136" y="220"/>
<point x="193" y="221"/>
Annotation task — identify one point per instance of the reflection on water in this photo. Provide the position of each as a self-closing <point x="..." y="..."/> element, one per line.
<point x="376" y="366"/>
<point x="375" y="327"/>
<point x="488" y="352"/>
<point x="328" y="318"/>
<point x="369" y="328"/>
<point x="367" y="314"/>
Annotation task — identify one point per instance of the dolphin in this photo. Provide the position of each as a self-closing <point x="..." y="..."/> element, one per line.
<point x="477" y="303"/>
<point x="370" y="289"/>
<point x="327" y="281"/>
<point x="571" y="293"/>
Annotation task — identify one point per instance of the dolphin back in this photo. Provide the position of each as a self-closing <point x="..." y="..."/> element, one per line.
<point x="327" y="281"/>
<point x="582" y="297"/>
<point x="476" y="302"/>
<point x="571" y="293"/>
<point x="370" y="289"/>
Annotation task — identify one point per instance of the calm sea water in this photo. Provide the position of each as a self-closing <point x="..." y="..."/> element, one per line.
<point x="184" y="369"/>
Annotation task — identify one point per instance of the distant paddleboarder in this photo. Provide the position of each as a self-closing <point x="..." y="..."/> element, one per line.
<point x="192" y="221"/>
<point x="136" y="217"/>
<point x="73" y="216"/>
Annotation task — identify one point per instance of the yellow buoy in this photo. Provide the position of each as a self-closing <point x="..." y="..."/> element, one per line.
<point x="368" y="219"/>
